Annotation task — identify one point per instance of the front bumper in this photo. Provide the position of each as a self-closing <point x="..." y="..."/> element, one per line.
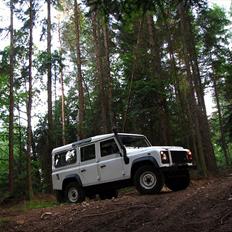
<point x="178" y="167"/>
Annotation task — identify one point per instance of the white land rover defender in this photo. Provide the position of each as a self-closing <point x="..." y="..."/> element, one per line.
<point x="102" y="164"/>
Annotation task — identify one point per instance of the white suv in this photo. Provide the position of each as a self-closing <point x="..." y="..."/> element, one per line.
<point x="104" y="163"/>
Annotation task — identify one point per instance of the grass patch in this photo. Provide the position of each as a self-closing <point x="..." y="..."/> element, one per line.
<point x="37" y="204"/>
<point x="4" y="221"/>
<point x="127" y="190"/>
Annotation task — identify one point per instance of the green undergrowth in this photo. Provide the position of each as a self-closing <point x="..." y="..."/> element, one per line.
<point x="4" y="220"/>
<point x="35" y="203"/>
<point x="127" y="190"/>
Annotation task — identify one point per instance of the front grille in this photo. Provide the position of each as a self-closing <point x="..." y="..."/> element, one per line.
<point x="179" y="157"/>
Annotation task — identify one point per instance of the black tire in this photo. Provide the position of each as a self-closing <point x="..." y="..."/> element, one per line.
<point x="148" y="180"/>
<point x="108" y="194"/>
<point x="74" y="193"/>
<point x="179" y="182"/>
<point x="60" y="196"/>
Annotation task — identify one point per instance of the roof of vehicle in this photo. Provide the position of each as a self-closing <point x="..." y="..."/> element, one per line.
<point x="100" y="137"/>
<point x="88" y="140"/>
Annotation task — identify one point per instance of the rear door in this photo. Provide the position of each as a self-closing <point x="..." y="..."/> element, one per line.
<point x="88" y="165"/>
<point x="110" y="164"/>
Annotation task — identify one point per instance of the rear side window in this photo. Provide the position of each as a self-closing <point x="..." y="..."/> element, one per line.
<point x="109" y="147"/>
<point x="87" y="153"/>
<point x="65" y="158"/>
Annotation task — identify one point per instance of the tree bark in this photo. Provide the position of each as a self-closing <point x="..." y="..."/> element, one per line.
<point x="135" y="56"/>
<point x="165" y="127"/>
<point x="80" y="128"/>
<point x="62" y="86"/>
<point x="29" y="105"/>
<point x="49" y="92"/>
<point x="220" y="118"/>
<point x="193" y="115"/>
<point x="188" y="39"/>
<point x="99" y="69"/>
<point x="108" y="78"/>
<point x="184" y="111"/>
<point x="11" y="108"/>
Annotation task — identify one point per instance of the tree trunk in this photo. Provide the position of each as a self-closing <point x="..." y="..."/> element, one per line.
<point x="135" y="55"/>
<point x="184" y="111"/>
<point x="29" y="105"/>
<point x="20" y="138"/>
<point x="100" y="78"/>
<point x="193" y="115"/>
<point x="80" y="130"/>
<point x="108" y="78"/>
<point x="220" y="118"/>
<point x="48" y="172"/>
<point x="11" y="108"/>
<point x="165" y="127"/>
<point x="62" y="87"/>
<point x="189" y="42"/>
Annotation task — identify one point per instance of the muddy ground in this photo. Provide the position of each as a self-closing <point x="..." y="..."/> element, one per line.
<point x="205" y="206"/>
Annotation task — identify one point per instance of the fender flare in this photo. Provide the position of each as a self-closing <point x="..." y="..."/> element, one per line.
<point x="72" y="176"/>
<point x="147" y="158"/>
<point x="137" y="161"/>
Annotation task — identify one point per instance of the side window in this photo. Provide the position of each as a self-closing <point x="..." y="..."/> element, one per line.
<point x="108" y="147"/>
<point x="65" y="158"/>
<point x="87" y="152"/>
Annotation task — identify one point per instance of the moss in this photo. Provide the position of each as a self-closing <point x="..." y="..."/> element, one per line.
<point x="36" y="204"/>
<point x="4" y="221"/>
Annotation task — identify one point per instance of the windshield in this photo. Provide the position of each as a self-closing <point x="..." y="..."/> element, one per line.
<point x="134" y="141"/>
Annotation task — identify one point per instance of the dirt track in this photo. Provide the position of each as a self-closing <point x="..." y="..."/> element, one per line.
<point x="204" y="206"/>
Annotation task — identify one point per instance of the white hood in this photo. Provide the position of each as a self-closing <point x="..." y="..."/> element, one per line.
<point x="141" y="150"/>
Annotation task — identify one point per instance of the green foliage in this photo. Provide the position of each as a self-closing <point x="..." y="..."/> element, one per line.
<point x="37" y="204"/>
<point x="125" y="8"/>
<point x="3" y="163"/>
<point x="4" y="221"/>
<point x="216" y="58"/>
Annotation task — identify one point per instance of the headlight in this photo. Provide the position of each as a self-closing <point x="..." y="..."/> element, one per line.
<point x="164" y="157"/>
<point x="189" y="156"/>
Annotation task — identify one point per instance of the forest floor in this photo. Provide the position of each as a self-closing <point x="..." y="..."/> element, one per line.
<point x="206" y="205"/>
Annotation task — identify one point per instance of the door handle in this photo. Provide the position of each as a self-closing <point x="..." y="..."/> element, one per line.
<point x="103" y="166"/>
<point x="83" y="170"/>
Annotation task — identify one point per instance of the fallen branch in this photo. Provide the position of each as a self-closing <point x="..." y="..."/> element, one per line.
<point x="118" y="210"/>
<point x="225" y="216"/>
<point x="110" y="212"/>
<point x="44" y="215"/>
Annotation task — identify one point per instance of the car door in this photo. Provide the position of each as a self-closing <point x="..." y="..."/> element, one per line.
<point x="110" y="164"/>
<point x="88" y="165"/>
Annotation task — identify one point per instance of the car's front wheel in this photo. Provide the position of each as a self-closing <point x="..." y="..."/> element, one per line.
<point x="74" y="193"/>
<point x="148" y="180"/>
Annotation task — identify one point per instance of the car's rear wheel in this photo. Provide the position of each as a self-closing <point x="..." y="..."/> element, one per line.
<point x="148" y="180"/>
<point x="74" y="193"/>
